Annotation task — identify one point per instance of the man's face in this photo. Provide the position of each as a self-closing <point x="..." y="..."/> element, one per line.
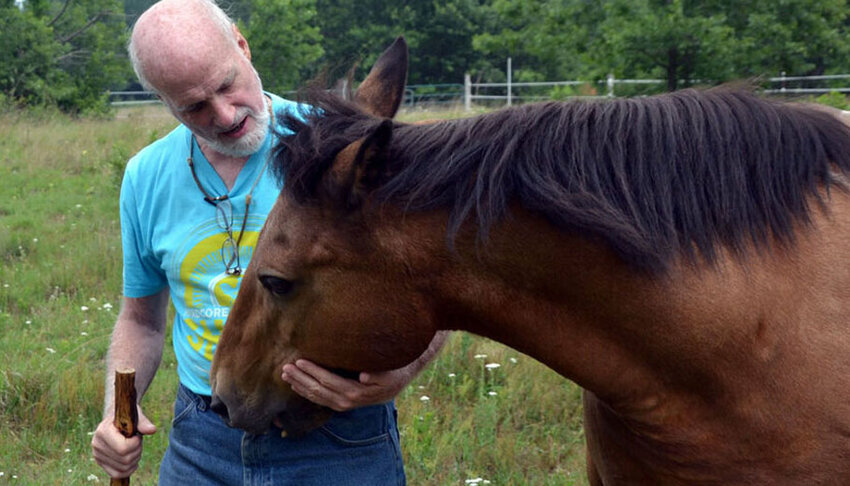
<point x="220" y="99"/>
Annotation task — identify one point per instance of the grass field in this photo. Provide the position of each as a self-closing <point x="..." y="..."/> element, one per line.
<point x="462" y="421"/>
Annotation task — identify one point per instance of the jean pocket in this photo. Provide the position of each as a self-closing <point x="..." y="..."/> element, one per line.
<point x="359" y="427"/>
<point x="183" y="406"/>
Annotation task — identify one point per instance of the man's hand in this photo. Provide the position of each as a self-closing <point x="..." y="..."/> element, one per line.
<point x="118" y="455"/>
<point x="324" y="387"/>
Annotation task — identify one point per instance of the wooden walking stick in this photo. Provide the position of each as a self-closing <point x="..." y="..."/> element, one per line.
<point x="126" y="413"/>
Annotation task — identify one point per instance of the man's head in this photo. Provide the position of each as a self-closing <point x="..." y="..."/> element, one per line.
<point x="195" y="59"/>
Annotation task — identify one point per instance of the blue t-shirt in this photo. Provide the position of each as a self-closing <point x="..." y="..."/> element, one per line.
<point x="170" y="238"/>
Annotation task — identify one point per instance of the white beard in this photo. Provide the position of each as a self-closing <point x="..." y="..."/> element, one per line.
<point x="247" y="144"/>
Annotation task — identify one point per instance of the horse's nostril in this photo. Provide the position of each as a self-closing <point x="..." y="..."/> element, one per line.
<point x="217" y="406"/>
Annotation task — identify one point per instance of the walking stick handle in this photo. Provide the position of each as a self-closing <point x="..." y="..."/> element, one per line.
<point x="126" y="413"/>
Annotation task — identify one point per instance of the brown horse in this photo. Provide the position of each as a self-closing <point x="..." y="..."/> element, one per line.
<point x="683" y="258"/>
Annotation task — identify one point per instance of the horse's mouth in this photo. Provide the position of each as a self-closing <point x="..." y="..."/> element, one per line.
<point x="299" y="420"/>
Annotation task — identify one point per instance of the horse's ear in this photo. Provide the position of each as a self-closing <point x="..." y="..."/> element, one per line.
<point x="357" y="169"/>
<point x="383" y="89"/>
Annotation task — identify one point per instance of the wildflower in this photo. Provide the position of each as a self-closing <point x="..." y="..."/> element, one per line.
<point x="92" y="299"/>
<point x="424" y="398"/>
<point x="492" y="366"/>
<point x="35" y="240"/>
<point x="492" y="393"/>
<point x="474" y="481"/>
<point x="84" y="333"/>
<point x="67" y="450"/>
<point x="92" y="477"/>
<point x="107" y="306"/>
<point x="452" y="375"/>
<point x="480" y="356"/>
<point x="28" y="322"/>
<point x="84" y="308"/>
<point x="51" y="350"/>
<point x="78" y="206"/>
<point x="513" y="360"/>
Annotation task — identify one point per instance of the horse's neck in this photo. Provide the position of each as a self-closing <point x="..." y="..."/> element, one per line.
<point x="573" y="305"/>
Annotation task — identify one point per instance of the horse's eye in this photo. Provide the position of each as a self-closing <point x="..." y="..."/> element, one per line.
<point x="276" y="285"/>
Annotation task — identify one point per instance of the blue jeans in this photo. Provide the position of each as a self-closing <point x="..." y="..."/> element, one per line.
<point x="359" y="447"/>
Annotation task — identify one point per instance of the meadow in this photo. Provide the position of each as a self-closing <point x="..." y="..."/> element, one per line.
<point x="481" y="413"/>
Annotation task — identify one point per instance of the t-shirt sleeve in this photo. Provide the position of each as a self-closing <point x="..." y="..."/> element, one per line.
<point x="143" y="276"/>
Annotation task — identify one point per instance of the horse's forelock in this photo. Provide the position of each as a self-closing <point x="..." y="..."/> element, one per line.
<point x="312" y="138"/>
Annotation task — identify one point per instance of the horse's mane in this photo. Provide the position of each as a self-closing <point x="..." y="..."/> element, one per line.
<point x="652" y="177"/>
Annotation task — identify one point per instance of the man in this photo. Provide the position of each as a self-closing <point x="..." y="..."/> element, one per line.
<point x="188" y="231"/>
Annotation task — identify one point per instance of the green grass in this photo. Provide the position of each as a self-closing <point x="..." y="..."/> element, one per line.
<point x="60" y="288"/>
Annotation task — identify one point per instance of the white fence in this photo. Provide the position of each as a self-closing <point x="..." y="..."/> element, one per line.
<point x="508" y="92"/>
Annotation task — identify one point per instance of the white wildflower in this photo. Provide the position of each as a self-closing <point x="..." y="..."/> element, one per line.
<point x="474" y="481"/>
<point x="424" y="398"/>
<point x="107" y="306"/>
<point x="492" y="393"/>
<point x="51" y="350"/>
<point x="84" y="308"/>
<point x="35" y="240"/>
<point x="452" y="375"/>
<point x="67" y="450"/>
<point x="480" y="356"/>
<point x="84" y="333"/>
<point x="28" y="322"/>
<point x="513" y="360"/>
<point x="492" y="366"/>
<point x="92" y="477"/>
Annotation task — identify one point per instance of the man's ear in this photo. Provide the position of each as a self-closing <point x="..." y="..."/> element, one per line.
<point x="241" y="42"/>
<point x="358" y="169"/>
<point x="382" y="91"/>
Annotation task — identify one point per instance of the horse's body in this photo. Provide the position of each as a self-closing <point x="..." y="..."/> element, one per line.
<point x="711" y="350"/>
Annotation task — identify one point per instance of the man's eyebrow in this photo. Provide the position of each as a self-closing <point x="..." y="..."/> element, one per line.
<point x="231" y="77"/>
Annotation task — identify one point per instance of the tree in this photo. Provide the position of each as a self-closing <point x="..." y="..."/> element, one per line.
<point x="284" y="41"/>
<point x="668" y="39"/>
<point x="62" y="52"/>
<point x="439" y="34"/>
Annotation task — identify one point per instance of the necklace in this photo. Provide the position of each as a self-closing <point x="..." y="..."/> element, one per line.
<point x="224" y="208"/>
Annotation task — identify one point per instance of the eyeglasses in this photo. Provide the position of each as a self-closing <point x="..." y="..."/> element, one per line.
<point x="224" y="218"/>
<point x="230" y="246"/>
<point x="224" y="208"/>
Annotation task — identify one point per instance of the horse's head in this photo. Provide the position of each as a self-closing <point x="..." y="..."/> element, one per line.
<point x="320" y="284"/>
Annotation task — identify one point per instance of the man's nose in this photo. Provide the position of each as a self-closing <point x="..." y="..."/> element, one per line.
<point x="224" y="113"/>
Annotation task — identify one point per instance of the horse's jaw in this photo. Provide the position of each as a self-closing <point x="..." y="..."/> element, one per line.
<point x="282" y="412"/>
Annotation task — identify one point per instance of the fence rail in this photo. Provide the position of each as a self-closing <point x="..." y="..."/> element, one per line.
<point x="418" y="95"/>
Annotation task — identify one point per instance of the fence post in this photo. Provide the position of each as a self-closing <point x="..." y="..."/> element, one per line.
<point x="610" y="85"/>
<point x="467" y="92"/>
<point x="782" y="81"/>
<point x="509" y="82"/>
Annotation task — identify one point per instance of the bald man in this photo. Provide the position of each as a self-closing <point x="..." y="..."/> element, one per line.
<point x="188" y="231"/>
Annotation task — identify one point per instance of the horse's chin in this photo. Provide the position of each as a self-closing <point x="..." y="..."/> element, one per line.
<point x="299" y="417"/>
<point x="289" y="425"/>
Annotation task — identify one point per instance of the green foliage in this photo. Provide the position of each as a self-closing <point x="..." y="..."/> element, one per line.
<point x="284" y="41"/>
<point x="62" y="53"/>
<point x="834" y="99"/>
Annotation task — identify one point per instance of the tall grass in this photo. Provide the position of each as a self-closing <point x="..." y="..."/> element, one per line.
<point x="60" y="288"/>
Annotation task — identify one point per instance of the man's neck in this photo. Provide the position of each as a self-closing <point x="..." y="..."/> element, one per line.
<point x="226" y="166"/>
